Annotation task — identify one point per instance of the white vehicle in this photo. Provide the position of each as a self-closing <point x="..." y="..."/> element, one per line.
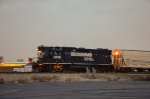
<point x="26" y="68"/>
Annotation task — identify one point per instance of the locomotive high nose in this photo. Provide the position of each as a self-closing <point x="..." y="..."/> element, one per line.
<point x="116" y="52"/>
<point x="117" y="58"/>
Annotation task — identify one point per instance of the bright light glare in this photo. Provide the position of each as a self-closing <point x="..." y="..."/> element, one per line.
<point x="116" y="53"/>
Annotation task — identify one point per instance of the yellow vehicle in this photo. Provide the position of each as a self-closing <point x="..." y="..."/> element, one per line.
<point x="12" y="64"/>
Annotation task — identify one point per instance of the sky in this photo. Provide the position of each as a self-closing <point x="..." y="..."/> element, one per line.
<point x="112" y="24"/>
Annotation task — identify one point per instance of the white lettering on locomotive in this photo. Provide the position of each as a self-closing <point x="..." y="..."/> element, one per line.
<point x="81" y="54"/>
<point x="57" y="57"/>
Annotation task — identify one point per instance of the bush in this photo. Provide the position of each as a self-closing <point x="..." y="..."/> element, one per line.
<point x="2" y="81"/>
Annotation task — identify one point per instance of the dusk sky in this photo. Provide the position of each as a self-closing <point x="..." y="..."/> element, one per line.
<point x="26" y="24"/>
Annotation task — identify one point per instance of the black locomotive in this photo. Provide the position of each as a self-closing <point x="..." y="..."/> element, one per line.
<point x="52" y="59"/>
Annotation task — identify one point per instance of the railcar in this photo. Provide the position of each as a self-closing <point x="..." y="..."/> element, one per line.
<point x="58" y="59"/>
<point x="131" y="60"/>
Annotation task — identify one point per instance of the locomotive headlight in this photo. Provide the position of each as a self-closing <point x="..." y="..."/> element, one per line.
<point x="116" y="53"/>
<point x="37" y="49"/>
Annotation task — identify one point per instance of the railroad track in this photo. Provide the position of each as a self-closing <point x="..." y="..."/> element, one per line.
<point x="74" y="73"/>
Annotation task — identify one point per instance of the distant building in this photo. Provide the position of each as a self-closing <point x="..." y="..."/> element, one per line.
<point x="20" y="60"/>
